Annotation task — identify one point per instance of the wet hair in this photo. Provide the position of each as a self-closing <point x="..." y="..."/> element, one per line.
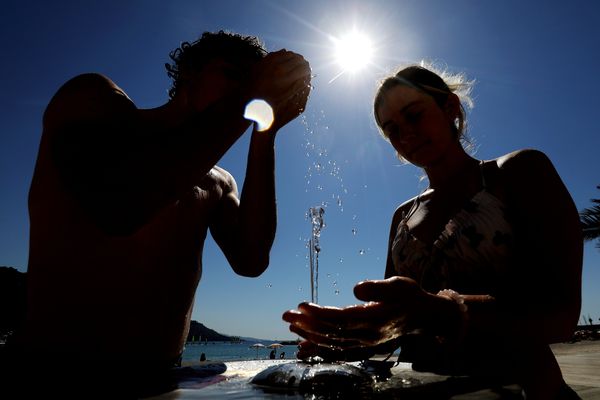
<point x="190" y="57"/>
<point x="438" y="85"/>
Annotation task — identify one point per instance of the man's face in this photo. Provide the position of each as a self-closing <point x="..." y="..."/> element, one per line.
<point x="217" y="79"/>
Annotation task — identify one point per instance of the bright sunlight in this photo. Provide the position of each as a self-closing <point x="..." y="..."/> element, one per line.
<point x="353" y="51"/>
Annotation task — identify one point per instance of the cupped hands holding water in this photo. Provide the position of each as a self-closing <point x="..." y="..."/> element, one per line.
<point x="282" y="78"/>
<point x="394" y="307"/>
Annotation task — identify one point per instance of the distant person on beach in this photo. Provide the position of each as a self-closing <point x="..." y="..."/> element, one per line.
<point x="272" y="355"/>
<point x="122" y="199"/>
<point x="483" y="267"/>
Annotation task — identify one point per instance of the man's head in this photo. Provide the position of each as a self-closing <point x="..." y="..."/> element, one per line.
<point x="190" y="58"/>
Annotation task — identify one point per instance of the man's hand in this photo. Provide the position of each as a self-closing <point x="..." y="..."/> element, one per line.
<point x="282" y="79"/>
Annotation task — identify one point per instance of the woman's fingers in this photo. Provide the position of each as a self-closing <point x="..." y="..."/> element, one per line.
<point x="331" y="326"/>
<point x="396" y="290"/>
<point x="322" y="339"/>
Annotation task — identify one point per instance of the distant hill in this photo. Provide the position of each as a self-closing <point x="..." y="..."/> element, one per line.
<point x="199" y="332"/>
<point x="13" y="297"/>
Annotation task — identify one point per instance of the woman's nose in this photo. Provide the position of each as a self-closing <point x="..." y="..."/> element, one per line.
<point x="408" y="134"/>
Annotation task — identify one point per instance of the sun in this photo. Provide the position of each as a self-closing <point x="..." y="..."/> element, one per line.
<point x="353" y="51"/>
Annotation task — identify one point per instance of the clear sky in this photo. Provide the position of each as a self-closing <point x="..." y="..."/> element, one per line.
<point x="535" y="63"/>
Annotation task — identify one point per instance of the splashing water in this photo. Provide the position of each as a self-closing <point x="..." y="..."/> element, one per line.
<point x="314" y="248"/>
<point x="323" y="175"/>
<point x="325" y="185"/>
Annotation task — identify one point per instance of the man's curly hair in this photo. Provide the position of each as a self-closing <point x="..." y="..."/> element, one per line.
<point x="231" y="47"/>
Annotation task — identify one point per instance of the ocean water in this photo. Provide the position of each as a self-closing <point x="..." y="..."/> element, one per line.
<point x="226" y="351"/>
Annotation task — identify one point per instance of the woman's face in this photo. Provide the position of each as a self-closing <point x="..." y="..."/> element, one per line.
<point x="416" y="126"/>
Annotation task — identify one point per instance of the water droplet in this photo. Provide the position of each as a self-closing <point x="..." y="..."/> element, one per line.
<point x="354" y="217"/>
<point x="334" y="283"/>
<point x="269" y="285"/>
<point x="337" y="291"/>
<point x="341" y="260"/>
<point x="354" y="231"/>
<point x="361" y="252"/>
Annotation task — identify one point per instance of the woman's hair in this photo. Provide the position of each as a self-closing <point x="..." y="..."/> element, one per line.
<point x="438" y="85"/>
<point x="191" y="57"/>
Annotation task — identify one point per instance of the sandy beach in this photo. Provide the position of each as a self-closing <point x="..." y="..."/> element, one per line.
<point x="583" y="346"/>
<point x="580" y="365"/>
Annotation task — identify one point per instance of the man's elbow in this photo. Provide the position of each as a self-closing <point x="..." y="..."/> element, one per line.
<point x="251" y="267"/>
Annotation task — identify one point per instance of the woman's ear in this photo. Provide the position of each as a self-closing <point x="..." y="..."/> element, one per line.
<point x="452" y="107"/>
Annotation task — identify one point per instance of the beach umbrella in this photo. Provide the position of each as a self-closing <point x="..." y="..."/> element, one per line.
<point x="275" y="346"/>
<point x="257" y="346"/>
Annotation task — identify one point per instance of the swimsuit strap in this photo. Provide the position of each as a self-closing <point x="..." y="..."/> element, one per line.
<point x="413" y="208"/>
<point x="481" y="171"/>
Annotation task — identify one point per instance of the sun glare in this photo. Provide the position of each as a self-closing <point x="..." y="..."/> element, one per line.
<point x="353" y="51"/>
<point x="260" y="112"/>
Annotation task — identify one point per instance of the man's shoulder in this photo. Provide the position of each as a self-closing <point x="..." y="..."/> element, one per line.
<point x="84" y="96"/>
<point x="220" y="177"/>
<point x="90" y="80"/>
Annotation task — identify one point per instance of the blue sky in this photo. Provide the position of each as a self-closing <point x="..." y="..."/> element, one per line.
<point x="537" y="87"/>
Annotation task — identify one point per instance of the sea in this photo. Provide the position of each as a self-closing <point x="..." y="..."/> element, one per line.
<point x="235" y="351"/>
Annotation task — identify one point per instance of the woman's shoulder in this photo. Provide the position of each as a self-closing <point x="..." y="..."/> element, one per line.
<point x="528" y="176"/>
<point x="522" y="158"/>
<point x="523" y="164"/>
<point x="405" y="207"/>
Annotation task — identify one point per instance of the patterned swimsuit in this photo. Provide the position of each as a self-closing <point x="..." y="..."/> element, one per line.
<point x="471" y="255"/>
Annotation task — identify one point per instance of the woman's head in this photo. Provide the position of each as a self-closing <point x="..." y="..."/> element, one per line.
<point x="448" y="92"/>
